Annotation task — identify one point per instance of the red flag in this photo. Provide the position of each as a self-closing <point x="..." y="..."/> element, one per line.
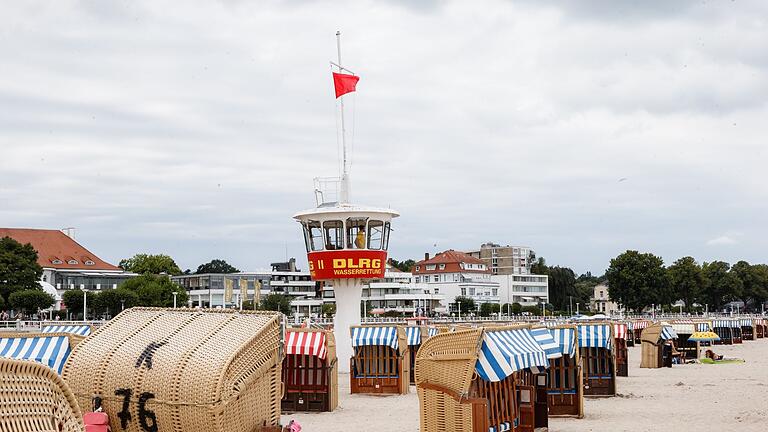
<point x="344" y="83"/>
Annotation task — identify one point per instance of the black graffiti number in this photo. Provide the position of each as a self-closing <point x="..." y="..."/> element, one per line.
<point x="145" y="414"/>
<point x="125" y="414"/>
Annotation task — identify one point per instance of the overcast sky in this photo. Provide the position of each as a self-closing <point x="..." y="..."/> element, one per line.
<point x="581" y="129"/>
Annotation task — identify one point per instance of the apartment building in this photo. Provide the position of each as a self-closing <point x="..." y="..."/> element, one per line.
<point x="504" y="260"/>
<point x="452" y="273"/>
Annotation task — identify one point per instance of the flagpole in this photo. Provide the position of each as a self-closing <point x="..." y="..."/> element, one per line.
<point x="344" y="192"/>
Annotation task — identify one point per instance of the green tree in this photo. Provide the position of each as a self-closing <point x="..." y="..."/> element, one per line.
<point x="638" y="280"/>
<point x="686" y="281"/>
<point x="723" y="286"/>
<point x="329" y="310"/>
<point x="156" y="291"/>
<point x="585" y="289"/>
<point x="150" y="264"/>
<point x="31" y="300"/>
<point x="216" y="266"/>
<point x="276" y="302"/>
<point x="19" y="269"/>
<point x="540" y="267"/>
<point x="405" y="266"/>
<point x="506" y="308"/>
<point x="73" y="300"/>
<point x="2" y="303"/>
<point x="113" y="301"/>
<point x="562" y="286"/>
<point x="517" y="308"/>
<point x="488" y="309"/>
<point x="465" y="304"/>
<point x="759" y="291"/>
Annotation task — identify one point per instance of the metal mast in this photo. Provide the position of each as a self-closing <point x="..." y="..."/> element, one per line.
<point x="344" y="187"/>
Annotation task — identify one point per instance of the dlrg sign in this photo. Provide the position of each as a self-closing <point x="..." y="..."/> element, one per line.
<point x="347" y="264"/>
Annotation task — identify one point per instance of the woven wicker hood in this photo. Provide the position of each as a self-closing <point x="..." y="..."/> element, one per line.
<point x="194" y="363"/>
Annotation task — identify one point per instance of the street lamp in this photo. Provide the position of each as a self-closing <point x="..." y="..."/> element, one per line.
<point x="85" y="304"/>
<point x="174" y="299"/>
<point x="122" y="304"/>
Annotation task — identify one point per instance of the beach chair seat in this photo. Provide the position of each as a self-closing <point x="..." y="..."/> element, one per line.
<point x="36" y="399"/>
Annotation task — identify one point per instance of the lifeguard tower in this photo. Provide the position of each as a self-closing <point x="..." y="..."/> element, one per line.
<point x="346" y="243"/>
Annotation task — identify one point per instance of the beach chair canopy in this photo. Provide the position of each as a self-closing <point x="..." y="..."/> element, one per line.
<point x="746" y="322"/>
<point x="543" y="337"/>
<point x="725" y="323"/>
<point x="82" y="330"/>
<point x="306" y="343"/>
<point x="432" y="331"/>
<point x="703" y="326"/>
<point x="639" y="325"/>
<point x="504" y="352"/>
<point x="595" y="335"/>
<point x="565" y="338"/>
<point x="413" y="334"/>
<point x="51" y="351"/>
<point x="372" y="336"/>
<point x="667" y="333"/>
<point x="684" y="326"/>
<point x="619" y="331"/>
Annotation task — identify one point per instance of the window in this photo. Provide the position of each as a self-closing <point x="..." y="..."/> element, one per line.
<point x="472" y="291"/>
<point x="57" y="261"/>
<point x="463" y="291"/>
<point x="437" y="278"/>
<point x="430" y="267"/>
<point x="442" y="266"/>
<point x="356" y="233"/>
<point x="437" y="290"/>
<point x="418" y="268"/>
<point x="386" y="236"/>
<point x="601" y="293"/>
<point x="334" y="237"/>
<point x="90" y="263"/>
<point x="72" y="262"/>
<point x="495" y="292"/>
<point x="315" y="235"/>
<point x="375" y="234"/>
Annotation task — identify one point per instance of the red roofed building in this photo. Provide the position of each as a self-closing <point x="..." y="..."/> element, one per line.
<point x="66" y="263"/>
<point x="453" y="273"/>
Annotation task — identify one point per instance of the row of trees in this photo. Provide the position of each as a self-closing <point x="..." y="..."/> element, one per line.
<point x="164" y="264"/>
<point x="565" y="288"/>
<point x="145" y="290"/>
<point x="639" y="280"/>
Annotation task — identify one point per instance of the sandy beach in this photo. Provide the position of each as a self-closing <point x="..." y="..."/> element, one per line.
<point x="728" y="397"/>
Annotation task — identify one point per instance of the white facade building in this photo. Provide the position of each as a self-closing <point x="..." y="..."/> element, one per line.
<point x="400" y="293"/>
<point x="453" y="274"/>
<point x="528" y="290"/>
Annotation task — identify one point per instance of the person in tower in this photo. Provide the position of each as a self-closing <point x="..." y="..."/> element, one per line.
<point x="360" y="238"/>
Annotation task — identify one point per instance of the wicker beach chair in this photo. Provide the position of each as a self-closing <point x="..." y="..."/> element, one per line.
<point x="596" y="349"/>
<point x="310" y="371"/>
<point x="467" y="379"/>
<point x="565" y="384"/>
<point x="381" y="361"/>
<point x="182" y="370"/>
<point x="35" y="399"/>
<point x="620" y="348"/>
<point x="415" y="335"/>
<point x="654" y="339"/>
